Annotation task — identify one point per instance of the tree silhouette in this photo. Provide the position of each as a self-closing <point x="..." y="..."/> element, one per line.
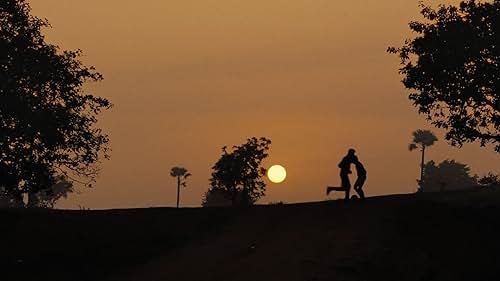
<point x="422" y="139"/>
<point x="181" y="174"/>
<point x="47" y="121"/>
<point x="449" y="175"/>
<point x="238" y="173"/>
<point x="452" y="68"/>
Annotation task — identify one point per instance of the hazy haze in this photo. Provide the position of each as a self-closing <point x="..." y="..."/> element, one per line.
<point x="187" y="77"/>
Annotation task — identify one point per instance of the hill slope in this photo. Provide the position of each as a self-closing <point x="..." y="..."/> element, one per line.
<point x="436" y="237"/>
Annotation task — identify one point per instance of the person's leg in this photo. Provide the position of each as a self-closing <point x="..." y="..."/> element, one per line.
<point x="346" y="185"/>
<point x="334" y="188"/>
<point x="358" y="186"/>
<point x="360" y="192"/>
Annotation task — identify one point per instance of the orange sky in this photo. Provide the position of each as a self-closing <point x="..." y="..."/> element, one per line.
<point x="190" y="76"/>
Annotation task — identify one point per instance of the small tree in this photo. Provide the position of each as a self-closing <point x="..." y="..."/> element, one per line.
<point x="451" y="68"/>
<point x="181" y="174"/>
<point x="422" y="139"/>
<point x="238" y="173"/>
<point x="216" y="198"/>
<point x="449" y="175"/>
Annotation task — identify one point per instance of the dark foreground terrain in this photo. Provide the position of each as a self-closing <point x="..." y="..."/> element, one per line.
<point x="452" y="236"/>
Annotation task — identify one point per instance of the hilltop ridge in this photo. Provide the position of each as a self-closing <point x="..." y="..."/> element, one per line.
<point x="401" y="237"/>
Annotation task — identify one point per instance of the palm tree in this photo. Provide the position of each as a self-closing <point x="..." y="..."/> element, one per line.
<point x="422" y="139"/>
<point x="181" y="174"/>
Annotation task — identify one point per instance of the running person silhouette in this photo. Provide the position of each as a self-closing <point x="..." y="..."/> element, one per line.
<point x="345" y="170"/>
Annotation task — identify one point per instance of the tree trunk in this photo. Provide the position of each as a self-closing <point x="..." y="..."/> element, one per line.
<point x="32" y="200"/>
<point x="178" y="190"/>
<point x="245" y="202"/>
<point x="17" y="201"/>
<point x="234" y="197"/>
<point x="422" y="167"/>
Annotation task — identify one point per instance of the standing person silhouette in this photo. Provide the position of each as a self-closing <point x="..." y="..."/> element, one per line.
<point x="360" y="181"/>
<point x="345" y="170"/>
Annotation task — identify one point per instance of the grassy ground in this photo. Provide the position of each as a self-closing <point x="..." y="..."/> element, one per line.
<point x="452" y="236"/>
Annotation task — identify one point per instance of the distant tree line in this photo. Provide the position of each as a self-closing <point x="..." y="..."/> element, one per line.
<point x="451" y="175"/>
<point x="448" y="175"/>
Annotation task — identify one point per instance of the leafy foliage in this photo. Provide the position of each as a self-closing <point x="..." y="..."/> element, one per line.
<point x="447" y="176"/>
<point x="238" y="173"/>
<point x="490" y="180"/>
<point x="452" y="67"/>
<point x="422" y="139"/>
<point x="179" y="172"/>
<point x="47" y="122"/>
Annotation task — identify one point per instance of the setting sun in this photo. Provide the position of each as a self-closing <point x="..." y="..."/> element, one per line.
<point x="276" y="174"/>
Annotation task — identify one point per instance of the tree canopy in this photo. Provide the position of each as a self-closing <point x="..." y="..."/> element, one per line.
<point x="452" y="68"/>
<point x="422" y="138"/>
<point x="47" y="120"/>
<point x="238" y="173"/>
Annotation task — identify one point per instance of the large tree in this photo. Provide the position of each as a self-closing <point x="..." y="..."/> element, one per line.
<point x="238" y="173"/>
<point x="452" y="68"/>
<point x="47" y="120"/>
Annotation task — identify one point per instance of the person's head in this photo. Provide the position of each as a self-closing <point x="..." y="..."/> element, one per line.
<point x="351" y="152"/>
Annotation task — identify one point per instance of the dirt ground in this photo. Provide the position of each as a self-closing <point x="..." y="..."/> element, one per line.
<point x="407" y="237"/>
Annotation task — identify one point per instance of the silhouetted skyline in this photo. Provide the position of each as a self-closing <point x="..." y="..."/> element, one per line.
<point x="187" y="77"/>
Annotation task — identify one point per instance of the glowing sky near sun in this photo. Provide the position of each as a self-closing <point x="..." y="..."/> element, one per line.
<point x="188" y="77"/>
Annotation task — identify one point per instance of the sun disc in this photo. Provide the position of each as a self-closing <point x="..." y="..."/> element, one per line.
<point x="276" y="174"/>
